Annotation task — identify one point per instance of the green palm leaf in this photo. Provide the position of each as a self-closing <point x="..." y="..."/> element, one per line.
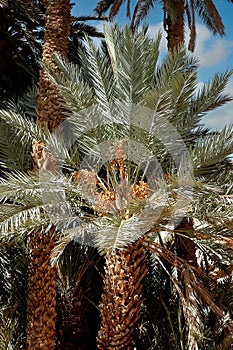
<point x="210" y="152"/>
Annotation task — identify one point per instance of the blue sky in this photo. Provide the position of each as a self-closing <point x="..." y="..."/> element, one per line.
<point x="215" y="54"/>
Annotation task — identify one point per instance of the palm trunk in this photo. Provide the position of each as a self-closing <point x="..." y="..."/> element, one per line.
<point x="42" y="287"/>
<point x="175" y="25"/>
<point x="57" y="30"/>
<point x="41" y="294"/>
<point x="125" y="270"/>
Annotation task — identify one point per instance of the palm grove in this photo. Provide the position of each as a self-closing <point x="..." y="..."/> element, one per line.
<point x="116" y="201"/>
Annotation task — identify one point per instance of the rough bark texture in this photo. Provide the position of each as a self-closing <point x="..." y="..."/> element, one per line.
<point x="42" y="286"/>
<point x="41" y="295"/>
<point x="122" y="297"/>
<point x="57" y="30"/>
<point x="175" y="25"/>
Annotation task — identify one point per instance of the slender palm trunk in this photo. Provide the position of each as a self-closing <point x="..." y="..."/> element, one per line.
<point x="41" y="294"/>
<point x="42" y="287"/>
<point x="175" y="25"/>
<point x="125" y="270"/>
<point x="57" y="30"/>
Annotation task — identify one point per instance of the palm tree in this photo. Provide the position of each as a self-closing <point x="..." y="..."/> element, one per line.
<point x="41" y="304"/>
<point x="77" y="276"/>
<point x="42" y="277"/>
<point x="39" y="311"/>
<point x="174" y="17"/>
<point x="122" y="187"/>
<point x="119" y="185"/>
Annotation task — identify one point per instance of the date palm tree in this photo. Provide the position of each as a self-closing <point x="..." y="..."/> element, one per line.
<point x="133" y="163"/>
<point x="120" y="190"/>
<point x="42" y="277"/>
<point x="41" y="305"/>
<point x="174" y="17"/>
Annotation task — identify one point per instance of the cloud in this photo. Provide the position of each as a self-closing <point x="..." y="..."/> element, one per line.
<point x="211" y="50"/>
<point x="153" y="31"/>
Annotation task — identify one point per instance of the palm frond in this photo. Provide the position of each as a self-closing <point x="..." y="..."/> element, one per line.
<point x="191" y="290"/>
<point x="210" y="16"/>
<point x="7" y="327"/>
<point x="79" y="288"/>
<point x="115" y="8"/>
<point x="130" y="58"/>
<point x="74" y="90"/>
<point x="103" y="6"/>
<point x="179" y="62"/>
<point x="73" y="267"/>
<point x="28" y="102"/>
<point x="77" y="230"/>
<point x="23" y="126"/>
<point x="209" y="153"/>
<point x="211" y="96"/>
<point x="14" y="154"/>
<point x="82" y="30"/>
<point x="141" y="10"/>
<point x="100" y="75"/>
<point x="28" y="203"/>
<point x="4" y="3"/>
